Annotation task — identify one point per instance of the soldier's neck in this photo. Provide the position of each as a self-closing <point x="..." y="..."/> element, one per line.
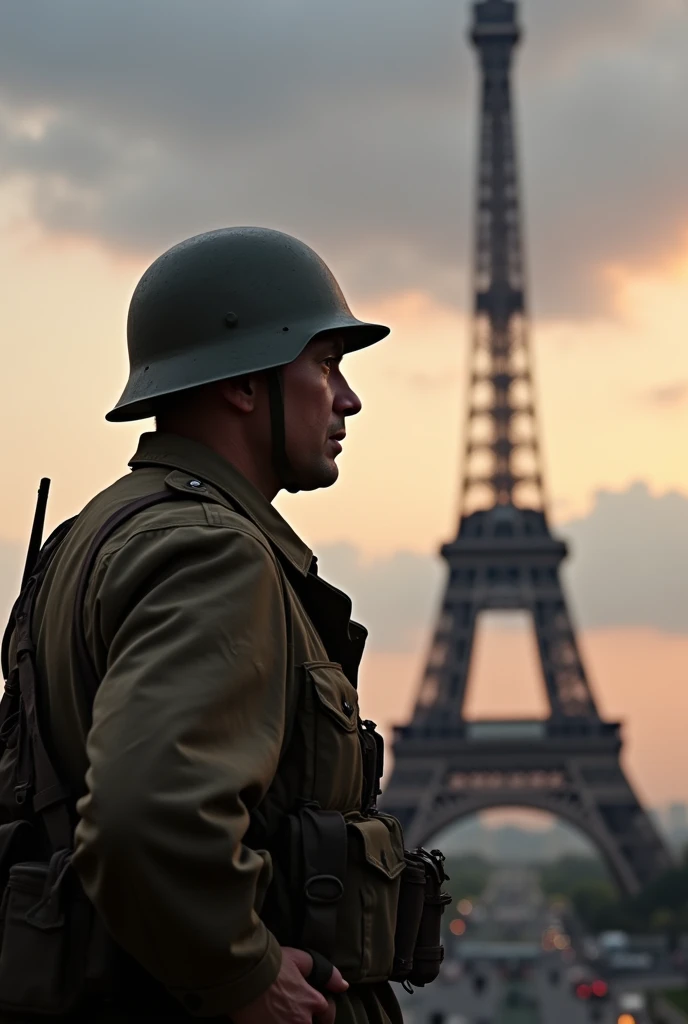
<point x="236" y="450"/>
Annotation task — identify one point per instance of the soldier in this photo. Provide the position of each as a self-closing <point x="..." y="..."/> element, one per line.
<point x="206" y="690"/>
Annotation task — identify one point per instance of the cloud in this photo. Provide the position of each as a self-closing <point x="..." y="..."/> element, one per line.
<point x="628" y="567"/>
<point x="351" y="125"/>
<point x="629" y="563"/>
<point x="394" y="597"/>
<point x="668" y="396"/>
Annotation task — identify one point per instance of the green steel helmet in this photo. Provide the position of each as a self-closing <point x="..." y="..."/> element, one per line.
<point x="227" y="303"/>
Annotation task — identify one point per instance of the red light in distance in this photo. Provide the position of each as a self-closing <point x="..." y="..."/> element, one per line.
<point x="599" y="988"/>
<point x="583" y="991"/>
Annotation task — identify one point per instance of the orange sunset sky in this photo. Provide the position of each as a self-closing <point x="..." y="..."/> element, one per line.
<point x="105" y="162"/>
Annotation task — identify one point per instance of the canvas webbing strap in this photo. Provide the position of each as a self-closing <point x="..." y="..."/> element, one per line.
<point x="323" y="863"/>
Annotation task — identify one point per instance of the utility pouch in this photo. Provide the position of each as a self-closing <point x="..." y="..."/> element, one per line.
<point x="45" y="922"/>
<point x="368" y="910"/>
<point x="429" y="951"/>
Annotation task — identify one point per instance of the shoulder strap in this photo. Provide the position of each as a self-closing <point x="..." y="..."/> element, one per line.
<point x="117" y="519"/>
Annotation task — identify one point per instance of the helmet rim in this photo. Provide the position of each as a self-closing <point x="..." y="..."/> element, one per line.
<point x="146" y="384"/>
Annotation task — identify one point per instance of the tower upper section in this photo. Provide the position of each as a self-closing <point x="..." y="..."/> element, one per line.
<point x="495" y="22"/>
<point x="502" y="464"/>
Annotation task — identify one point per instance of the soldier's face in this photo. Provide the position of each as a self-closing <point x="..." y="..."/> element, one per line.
<point x="317" y="400"/>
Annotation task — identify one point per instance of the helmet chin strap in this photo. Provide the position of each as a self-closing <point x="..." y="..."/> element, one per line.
<point x="280" y="461"/>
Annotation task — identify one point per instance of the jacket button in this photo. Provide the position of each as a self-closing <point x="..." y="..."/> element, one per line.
<point x="347" y="708"/>
<point x="195" y="483"/>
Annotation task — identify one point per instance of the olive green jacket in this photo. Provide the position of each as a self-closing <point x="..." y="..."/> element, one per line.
<point x="213" y="677"/>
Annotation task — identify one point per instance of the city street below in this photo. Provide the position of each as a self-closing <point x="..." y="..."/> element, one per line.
<point x="523" y="962"/>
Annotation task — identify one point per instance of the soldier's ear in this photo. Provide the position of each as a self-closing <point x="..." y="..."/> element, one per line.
<point x="240" y="392"/>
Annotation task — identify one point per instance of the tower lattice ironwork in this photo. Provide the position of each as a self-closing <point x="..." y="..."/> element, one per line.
<point x="504" y="557"/>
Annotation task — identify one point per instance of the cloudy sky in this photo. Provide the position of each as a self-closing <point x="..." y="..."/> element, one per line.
<point x="125" y="127"/>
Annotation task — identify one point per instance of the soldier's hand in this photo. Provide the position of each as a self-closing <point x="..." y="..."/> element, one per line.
<point x="290" y="999"/>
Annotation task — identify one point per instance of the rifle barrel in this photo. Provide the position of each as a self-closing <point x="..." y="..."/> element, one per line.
<point x="37" y="529"/>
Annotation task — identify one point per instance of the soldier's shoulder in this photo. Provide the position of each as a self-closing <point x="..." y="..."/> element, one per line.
<point x="183" y="503"/>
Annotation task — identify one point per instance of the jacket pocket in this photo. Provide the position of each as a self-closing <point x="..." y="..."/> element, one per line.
<point x="333" y="751"/>
<point x="335" y="694"/>
<point x="368" y="911"/>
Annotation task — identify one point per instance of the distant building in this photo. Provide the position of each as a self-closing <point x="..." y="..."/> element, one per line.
<point x="516" y="844"/>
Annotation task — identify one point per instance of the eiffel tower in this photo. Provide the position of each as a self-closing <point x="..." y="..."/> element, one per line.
<point x="504" y="557"/>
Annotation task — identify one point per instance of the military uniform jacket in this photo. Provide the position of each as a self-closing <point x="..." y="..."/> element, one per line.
<point x="216" y="689"/>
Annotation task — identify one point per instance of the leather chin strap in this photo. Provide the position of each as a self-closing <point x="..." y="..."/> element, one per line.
<point x="280" y="460"/>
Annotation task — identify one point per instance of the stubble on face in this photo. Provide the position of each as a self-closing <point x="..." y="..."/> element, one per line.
<point x="317" y="399"/>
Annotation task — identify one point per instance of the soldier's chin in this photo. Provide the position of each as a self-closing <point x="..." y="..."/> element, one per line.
<point x="324" y="474"/>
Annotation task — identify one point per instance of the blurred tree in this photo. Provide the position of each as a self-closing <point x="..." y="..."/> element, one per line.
<point x="563" y="876"/>
<point x="661" y="907"/>
<point x="467" y="876"/>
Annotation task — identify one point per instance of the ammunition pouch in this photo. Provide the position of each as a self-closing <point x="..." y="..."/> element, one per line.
<point x="45" y="926"/>
<point x="368" y="912"/>
<point x="418" y="949"/>
<point x="409" y="913"/>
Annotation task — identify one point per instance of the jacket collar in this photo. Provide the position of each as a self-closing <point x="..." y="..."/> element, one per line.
<point x="175" y="452"/>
